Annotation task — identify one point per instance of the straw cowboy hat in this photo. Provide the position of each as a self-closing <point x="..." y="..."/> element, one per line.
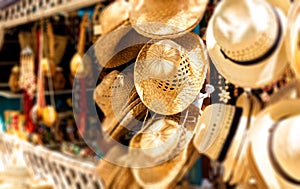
<point x="114" y="15"/>
<point x="169" y="74"/>
<point x="221" y="129"/>
<point x="118" y="47"/>
<point x="165" y="19"/>
<point x="293" y="38"/>
<point x="247" y="47"/>
<point x="274" y="149"/>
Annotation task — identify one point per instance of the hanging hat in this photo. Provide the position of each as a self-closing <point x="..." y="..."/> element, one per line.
<point x="169" y="74"/>
<point x="113" y="93"/>
<point x="118" y="47"/>
<point x="221" y="129"/>
<point x="114" y="15"/>
<point x="233" y="167"/>
<point x="274" y="149"/>
<point x="293" y="38"/>
<point x="158" y="142"/>
<point x="245" y="42"/>
<point x="162" y="19"/>
<point x="168" y="174"/>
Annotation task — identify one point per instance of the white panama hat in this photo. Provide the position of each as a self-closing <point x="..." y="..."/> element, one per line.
<point x="274" y="148"/>
<point x="245" y="42"/>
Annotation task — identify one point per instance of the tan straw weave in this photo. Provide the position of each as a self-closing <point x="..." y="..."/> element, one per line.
<point x="168" y="18"/>
<point x="118" y="47"/>
<point x="164" y="90"/>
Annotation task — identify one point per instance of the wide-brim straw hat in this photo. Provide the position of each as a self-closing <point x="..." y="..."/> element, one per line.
<point x="119" y="46"/>
<point x="165" y="19"/>
<point x="247" y="48"/>
<point x="293" y="38"/>
<point x="274" y="149"/>
<point x="114" y="15"/>
<point x="221" y="129"/>
<point x="169" y="74"/>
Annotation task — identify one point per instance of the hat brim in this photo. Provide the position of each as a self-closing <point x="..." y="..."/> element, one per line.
<point x="252" y="76"/>
<point x="251" y="106"/>
<point x="166" y="20"/>
<point x="259" y="135"/>
<point x="118" y="47"/>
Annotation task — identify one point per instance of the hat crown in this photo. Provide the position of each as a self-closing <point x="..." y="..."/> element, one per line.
<point x="245" y="29"/>
<point x="162" y="59"/>
<point x="287" y="146"/>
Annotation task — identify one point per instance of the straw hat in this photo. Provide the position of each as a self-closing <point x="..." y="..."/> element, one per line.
<point x="164" y="19"/>
<point x="235" y="168"/>
<point x="274" y="149"/>
<point x="293" y="38"/>
<point x="113" y="93"/>
<point x="169" y="74"/>
<point x="221" y="129"/>
<point x="114" y="15"/>
<point x="118" y="47"/>
<point x="247" y="47"/>
<point x="157" y="143"/>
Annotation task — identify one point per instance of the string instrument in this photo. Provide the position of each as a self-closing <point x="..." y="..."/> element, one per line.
<point x="76" y="65"/>
<point x="48" y="63"/>
<point x="42" y="112"/>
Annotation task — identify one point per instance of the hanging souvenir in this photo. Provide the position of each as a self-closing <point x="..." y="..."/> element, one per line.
<point x="14" y="79"/>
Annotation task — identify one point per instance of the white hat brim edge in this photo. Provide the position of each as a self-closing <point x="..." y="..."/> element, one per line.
<point x="259" y="135"/>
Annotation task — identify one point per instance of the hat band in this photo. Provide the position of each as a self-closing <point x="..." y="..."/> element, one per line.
<point x="274" y="161"/>
<point x="264" y="56"/>
<point x="232" y="131"/>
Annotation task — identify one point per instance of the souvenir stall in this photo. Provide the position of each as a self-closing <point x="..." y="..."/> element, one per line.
<point x="150" y="94"/>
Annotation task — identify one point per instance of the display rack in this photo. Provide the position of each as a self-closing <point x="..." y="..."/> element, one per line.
<point x="63" y="171"/>
<point x="25" y="11"/>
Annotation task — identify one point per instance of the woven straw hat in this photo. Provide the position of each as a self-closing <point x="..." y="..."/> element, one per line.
<point x="169" y="74"/>
<point x="293" y="37"/>
<point x="168" y="18"/>
<point x="221" y="129"/>
<point x="118" y="47"/>
<point x="160" y="141"/>
<point x="247" y="47"/>
<point x="114" y="15"/>
<point x="161" y="176"/>
<point x="274" y="149"/>
<point x="113" y="93"/>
